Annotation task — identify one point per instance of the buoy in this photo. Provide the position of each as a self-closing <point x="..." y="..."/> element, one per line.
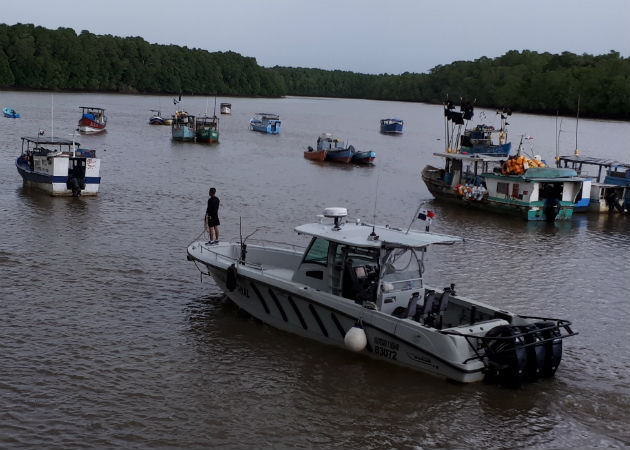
<point x="355" y="338"/>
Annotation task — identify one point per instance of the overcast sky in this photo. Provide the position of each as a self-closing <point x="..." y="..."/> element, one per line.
<point x="367" y="36"/>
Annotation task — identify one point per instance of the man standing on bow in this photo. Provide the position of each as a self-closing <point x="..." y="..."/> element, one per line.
<point x="212" y="217"/>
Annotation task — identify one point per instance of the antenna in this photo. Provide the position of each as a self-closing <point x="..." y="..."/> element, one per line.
<point x="52" y="113"/>
<point x="577" y="119"/>
<point x="373" y="236"/>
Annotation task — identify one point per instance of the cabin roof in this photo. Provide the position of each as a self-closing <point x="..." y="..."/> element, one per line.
<point x="359" y="235"/>
<point x="472" y="157"/>
<point x="95" y="108"/>
<point x="605" y="162"/>
<point x="44" y="140"/>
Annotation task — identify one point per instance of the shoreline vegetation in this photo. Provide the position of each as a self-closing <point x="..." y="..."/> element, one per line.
<point x="37" y="58"/>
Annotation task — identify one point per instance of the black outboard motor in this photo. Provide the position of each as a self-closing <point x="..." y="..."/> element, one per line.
<point x="76" y="176"/>
<point x="506" y="356"/>
<point x="551" y="209"/>
<point x="553" y="347"/>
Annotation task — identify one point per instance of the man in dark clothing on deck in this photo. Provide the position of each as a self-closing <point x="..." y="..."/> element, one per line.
<point x="212" y="217"/>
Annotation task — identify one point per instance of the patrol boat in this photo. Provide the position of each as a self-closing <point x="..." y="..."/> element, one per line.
<point x="360" y="286"/>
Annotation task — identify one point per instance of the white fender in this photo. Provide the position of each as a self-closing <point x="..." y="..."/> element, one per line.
<point x="355" y="339"/>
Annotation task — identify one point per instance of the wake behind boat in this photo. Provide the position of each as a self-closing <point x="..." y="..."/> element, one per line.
<point x="360" y="287"/>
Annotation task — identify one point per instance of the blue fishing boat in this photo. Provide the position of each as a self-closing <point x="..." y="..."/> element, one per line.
<point x="480" y="140"/>
<point x="183" y="127"/>
<point x="265" y="123"/>
<point x="363" y="157"/>
<point x="10" y="113"/>
<point x="336" y="149"/>
<point x="391" y="126"/>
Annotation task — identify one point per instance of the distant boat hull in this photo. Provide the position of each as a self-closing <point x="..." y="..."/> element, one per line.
<point x="364" y="157"/>
<point x="340" y="156"/>
<point x="183" y="133"/>
<point x="10" y="113"/>
<point x="226" y="108"/>
<point x="315" y="155"/>
<point x="391" y="126"/>
<point x="88" y="126"/>
<point x="210" y="136"/>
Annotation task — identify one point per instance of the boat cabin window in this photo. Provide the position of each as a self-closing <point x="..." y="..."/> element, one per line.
<point x="402" y="269"/>
<point x="359" y="269"/>
<point x="318" y="252"/>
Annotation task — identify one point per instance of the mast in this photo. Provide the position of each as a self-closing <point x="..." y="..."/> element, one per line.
<point x="577" y="119"/>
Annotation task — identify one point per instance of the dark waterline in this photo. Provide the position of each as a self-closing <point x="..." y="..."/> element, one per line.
<point x="110" y="340"/>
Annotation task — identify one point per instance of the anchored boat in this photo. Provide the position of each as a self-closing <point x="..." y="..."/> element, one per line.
<point x="392" y="126"/>
<point x="226" y="108"/>
<point x="59" y="166"/>
<point x="265" y="123"/>
<point x="361" y="287"/>
<point x="183" y="126"/>
<point x="607" y="191"/>
<point x="10" y="113"/>
<point x="207" y="129"/>
<point x="520" y="186"/>
<point x="93" y="120"/>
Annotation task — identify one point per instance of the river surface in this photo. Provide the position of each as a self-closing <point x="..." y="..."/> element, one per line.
<point x="110" y="339"/>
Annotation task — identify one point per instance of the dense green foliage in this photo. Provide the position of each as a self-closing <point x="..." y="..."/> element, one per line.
<point x="38" y="58"/>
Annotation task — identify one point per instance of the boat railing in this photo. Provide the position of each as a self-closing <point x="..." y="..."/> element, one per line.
<point x="546" y="331"/>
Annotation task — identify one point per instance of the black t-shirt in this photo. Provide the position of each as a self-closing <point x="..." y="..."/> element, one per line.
<point x="213" y="207"/>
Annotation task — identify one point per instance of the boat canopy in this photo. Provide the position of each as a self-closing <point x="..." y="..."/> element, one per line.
<point x="360" y="235"/>
<point x="472" y="157"/>
<point x="44" y="140"/>
<point x="604" y="162"/>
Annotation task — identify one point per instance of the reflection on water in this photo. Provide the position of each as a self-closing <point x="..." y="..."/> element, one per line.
<point x="112" y="339"/>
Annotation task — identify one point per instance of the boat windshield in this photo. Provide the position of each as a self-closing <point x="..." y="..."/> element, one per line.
<point x="401" y="265"/>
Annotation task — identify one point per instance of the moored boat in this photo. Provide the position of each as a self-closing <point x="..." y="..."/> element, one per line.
<point x="361" y="287"/>
<point x="183" y="126"/>
<point x="520" y="186"/>
<point x="58" y="166"/>
<point x="315" y="155"/>
<point x="392" y="126"/>
<point x="480" y="140"/>
<point x="226" y="108"/>
<point x="157" y="119"/>
<point x="336" y="149"/>
<point x="606" y="191"/>
<point x="207" y="129"/>
<point x="10" y="113"/>
<point x="363" y="157"/>
<point x="93" y="120"/>
<point x="265" y="123"/>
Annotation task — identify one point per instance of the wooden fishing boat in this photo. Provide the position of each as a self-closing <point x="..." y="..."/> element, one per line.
<point x="93" y="120"/>
<point x="315" y="155"/>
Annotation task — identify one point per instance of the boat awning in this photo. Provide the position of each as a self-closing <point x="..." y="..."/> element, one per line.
<point x="359" y="235"/>
<point x="45" y="140"/>
<point x="604" y="162"/>
<point x="475" y="157"/>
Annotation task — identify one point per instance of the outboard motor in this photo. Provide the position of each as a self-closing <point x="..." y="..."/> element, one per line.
<point x="506" y="356"/>
<point x="76" y="176"/>
<point x="551" y="209"/>
<point x="553" y="348"/>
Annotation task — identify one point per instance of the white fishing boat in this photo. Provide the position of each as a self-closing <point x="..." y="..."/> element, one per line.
<point x="59" y="166"/>
<point x="361" y="287"/>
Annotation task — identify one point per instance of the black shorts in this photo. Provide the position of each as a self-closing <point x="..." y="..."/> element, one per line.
<point x="213" y="221"/>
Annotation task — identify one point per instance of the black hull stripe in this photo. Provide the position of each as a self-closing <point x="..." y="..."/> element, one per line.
<point x="278" y="305"/>
<point x="342" y="332"/>
<point x="297" y="312"/>
<point x="318" y="319"/>
<point x="260" y="297"/>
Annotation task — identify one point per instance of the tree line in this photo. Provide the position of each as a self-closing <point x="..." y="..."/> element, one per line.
<point x="33" y="57"/>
